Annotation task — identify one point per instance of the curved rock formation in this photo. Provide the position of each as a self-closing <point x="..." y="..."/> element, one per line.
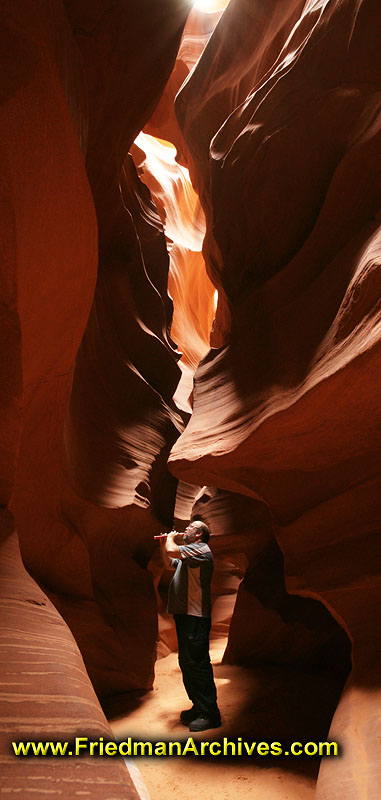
<point x="197" y="32"/>
<point x="184" y="227"/>
<point x="48" y="274"/>
<point x="132" y="358"/>
<point x="266" y="625"/>
<point x="46" y="694"/>
<point x="59" y="106"/>
<point x="122" y="419"/>
<point x="279" y="129"/>
<point x="294" y="243"/>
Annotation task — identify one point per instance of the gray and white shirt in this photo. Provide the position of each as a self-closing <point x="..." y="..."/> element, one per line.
<point x="189" y="591"/>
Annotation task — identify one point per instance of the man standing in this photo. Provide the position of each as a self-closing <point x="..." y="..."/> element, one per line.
<point x="189" y="602"/>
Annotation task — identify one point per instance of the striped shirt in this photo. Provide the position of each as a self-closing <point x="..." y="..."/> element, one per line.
<point x="189" y="591"/>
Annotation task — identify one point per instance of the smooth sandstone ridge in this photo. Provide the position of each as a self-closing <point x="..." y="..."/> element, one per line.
<point x="46" y="694"/>
<point x="126" y="369"/>
<point x="106" y="310"/>
<point x="281" y="119"/>
<point x="68" y="83"/>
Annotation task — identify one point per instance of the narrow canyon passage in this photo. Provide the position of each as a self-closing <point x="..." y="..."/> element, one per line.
<point x="260" y="704"/>
<point x="190" y="215"/>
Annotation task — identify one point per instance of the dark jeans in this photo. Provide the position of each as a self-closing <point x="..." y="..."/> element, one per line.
<point x="194" y="661"/>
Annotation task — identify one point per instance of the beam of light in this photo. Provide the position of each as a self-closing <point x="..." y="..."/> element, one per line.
<point x="210" y="5"/>
<point x="194" y="296"/>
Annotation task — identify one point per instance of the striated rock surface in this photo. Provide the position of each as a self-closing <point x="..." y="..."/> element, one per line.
<point x="46" y="694"/>
<point x="48" y="274"/>
<point x="197" y="32"/>
<point x="184" y="226"/>
<point x="241" y="52"/>
<point x="122" y="420"/>
<point x="293" y="239"/>
<point x="265" y="624"/>
<point x="126" y="371"/>
<point x="280" y="134"/>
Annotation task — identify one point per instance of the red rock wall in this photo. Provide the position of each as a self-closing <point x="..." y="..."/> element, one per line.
<point x="265" y="624"/>
<point x="122" y="420"/>
<point x="280" y="133"/>
<point x="60" y="106"/>
<point x="197" y="32"/>
<point x="46" y="694"/>
<point x="50" y="267"/>
<point x="285" y="146"/>
<point x="184" y="226"/>
<point x="132" y="360"/>
<point x="286" y="629"/>
<point x="49" y="238"/>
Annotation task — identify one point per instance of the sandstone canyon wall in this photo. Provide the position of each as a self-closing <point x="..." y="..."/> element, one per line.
<point x="276" y="446"/>
<point x="284" y="147"/>
<point x="66" y="538"/>
<point x="69" y="113"/>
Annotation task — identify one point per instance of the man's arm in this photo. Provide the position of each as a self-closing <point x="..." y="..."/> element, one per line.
<point x="166" y="559"/>
<point x="172" y="544"/>
<point x="169" y="548"/>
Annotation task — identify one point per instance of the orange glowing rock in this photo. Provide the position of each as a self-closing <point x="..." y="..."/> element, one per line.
<point x="184" y="225"/>
<point x="62" y="108"/>
<point x="281" y="120"/>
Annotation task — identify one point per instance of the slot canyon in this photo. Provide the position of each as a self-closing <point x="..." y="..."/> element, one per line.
<point x="190" y="329"/>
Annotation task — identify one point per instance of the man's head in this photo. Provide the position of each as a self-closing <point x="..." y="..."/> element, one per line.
<point x="197" y="531"/>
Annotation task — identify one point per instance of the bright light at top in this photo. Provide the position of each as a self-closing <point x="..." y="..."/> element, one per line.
<point x="210" y="5"/>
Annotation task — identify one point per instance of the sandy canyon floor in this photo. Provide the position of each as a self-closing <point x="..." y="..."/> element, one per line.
<point x="267" y="704"/>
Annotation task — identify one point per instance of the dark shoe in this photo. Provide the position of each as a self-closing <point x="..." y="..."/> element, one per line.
<point x="187" y="716"/>
<point x="204" y="723"/>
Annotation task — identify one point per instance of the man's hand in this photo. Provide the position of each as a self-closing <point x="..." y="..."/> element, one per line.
<point x="172" y="544"/>
<point x="169" y="547"/>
